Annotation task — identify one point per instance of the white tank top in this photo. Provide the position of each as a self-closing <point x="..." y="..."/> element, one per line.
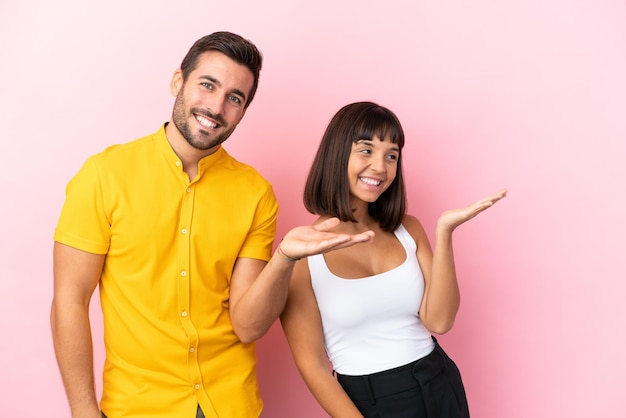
<point x="371" y="324"/>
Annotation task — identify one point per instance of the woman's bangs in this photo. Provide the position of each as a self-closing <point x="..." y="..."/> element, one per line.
<point x="379" y="124"/>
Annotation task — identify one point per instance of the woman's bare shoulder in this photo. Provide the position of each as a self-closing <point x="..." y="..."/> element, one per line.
<point x="415" y="228"/>
<point x="410" y="222"/>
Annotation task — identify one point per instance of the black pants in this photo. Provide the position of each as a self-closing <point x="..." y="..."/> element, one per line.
<point x="199" y="413"/>
<point x="430" y="387"/>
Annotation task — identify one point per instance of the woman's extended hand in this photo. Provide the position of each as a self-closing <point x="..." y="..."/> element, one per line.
<point x="304" y="241"/>
<point x="451" y="219"/>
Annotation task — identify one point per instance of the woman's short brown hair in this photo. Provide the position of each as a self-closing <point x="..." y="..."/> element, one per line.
<point x="327" y="191"/>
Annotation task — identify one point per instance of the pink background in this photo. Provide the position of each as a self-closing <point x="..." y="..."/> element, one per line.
<point x="524" y="94"/>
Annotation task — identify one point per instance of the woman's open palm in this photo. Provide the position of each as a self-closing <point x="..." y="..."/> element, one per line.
<point x="451" y="219"/>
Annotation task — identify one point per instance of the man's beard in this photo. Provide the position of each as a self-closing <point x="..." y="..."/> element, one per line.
<point x="201" y="140"/>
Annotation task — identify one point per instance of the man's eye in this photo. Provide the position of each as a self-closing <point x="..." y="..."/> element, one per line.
<point x="235" y="99"/>
<point x="207" y="85"/>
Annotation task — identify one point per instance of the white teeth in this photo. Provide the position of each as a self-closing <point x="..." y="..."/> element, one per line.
<point x="205" y="122"/>
<point x="369" y="181"/>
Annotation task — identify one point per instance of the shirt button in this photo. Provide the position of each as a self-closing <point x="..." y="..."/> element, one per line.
<point x="184" y="231"/>
<point x="177" y="163"/>
<point x="183" y="273"/>
<point x="184" y="313"/>
<point x="188" y="189"/>
<point x="191" y="350"/>
<point x="197" y="386"/>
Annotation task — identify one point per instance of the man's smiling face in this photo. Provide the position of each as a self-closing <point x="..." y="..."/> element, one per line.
<point x="211" y="102"/>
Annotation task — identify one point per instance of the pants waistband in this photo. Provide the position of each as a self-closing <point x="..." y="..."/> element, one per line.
<point x="395" y="380"/>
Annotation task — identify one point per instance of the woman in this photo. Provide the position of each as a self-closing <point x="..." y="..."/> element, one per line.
<point x="371" y="308"/>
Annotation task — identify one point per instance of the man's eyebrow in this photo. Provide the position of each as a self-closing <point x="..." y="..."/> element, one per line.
<point x="212" y="80"/>
<point x="219" y="84"/>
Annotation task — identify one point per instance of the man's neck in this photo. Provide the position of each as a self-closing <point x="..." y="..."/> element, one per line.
<point x="189" y="156"/>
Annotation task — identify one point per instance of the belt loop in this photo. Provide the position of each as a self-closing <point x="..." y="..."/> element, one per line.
<point x="368" y="388"/>
<point x="441" y="357"/>
<point x="442" y="360"/>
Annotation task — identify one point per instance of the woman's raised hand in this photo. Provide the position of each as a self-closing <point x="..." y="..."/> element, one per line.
<point x="451" y="219"/>
<point x="308" y="240"/>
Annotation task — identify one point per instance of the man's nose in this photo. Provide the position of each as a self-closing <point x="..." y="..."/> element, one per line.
<point x="215" y="105"/>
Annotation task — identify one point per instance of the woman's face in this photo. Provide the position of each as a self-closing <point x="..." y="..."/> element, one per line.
<point x="372" y="167"/>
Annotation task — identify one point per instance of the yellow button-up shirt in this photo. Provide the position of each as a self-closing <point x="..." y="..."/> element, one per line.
<point x="170" y="247"/>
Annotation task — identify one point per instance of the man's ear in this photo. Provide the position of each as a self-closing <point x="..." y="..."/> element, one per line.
<point x="177" y="82"/>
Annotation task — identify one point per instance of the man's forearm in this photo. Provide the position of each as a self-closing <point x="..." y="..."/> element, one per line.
<point x="264" y="300"/>
<point x="73" y="346"/>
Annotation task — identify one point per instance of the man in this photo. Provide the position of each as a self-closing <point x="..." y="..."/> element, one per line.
<point x="178" y="235"/>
